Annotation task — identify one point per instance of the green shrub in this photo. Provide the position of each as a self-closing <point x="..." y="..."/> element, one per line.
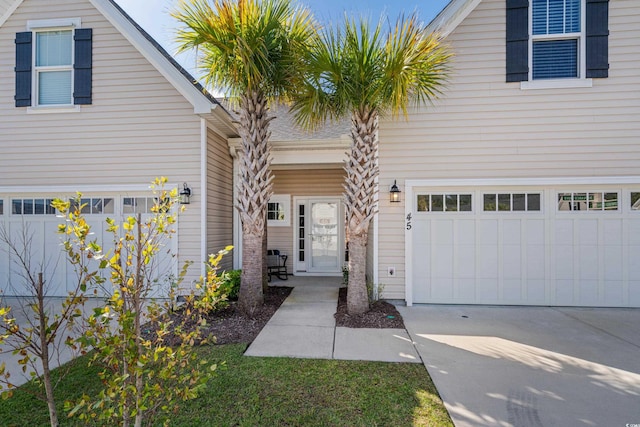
<point x="231" y="284"/>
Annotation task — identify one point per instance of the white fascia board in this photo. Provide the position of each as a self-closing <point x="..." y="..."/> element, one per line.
<point x="9" y="12"/>
<point x="317" y="151"/>
<point x="308" y="157"/>
<point x="451" y="16"/>
<point x="85" y="189"/>
<point x="220" y="122"/>
<point x="523" y="182"/>
<point x="201" y="105"/>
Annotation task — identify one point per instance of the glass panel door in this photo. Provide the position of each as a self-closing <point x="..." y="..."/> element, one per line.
<point x="324" y="235"/>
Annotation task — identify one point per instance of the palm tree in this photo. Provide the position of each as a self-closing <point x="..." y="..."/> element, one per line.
<point x="360" y="72"/>
<point x="255" y="50"/>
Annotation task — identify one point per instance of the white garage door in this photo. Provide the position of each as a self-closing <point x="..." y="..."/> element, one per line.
<point x="526" y="246"/>
<point x="32" y="219"/>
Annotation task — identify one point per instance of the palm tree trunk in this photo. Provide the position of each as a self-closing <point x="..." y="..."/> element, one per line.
<point x="360" y="188"/>
<point x="254" y="190"/>
<point x="357" y="297"/>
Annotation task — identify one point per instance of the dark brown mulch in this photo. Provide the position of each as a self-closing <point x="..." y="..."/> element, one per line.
<point x="230" y="326"/>
<point x="381" y="315"/>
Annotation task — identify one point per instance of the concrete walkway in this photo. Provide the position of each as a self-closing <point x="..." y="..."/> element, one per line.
<point x="304" y="327"/>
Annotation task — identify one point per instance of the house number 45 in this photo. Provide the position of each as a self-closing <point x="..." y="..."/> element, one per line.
<point x="408" y="221"/>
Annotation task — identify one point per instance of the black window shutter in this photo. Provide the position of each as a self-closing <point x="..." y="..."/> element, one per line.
<point x="597" y="38"/>
<point x="82" y="66"/>
<point x="517" y="40"/>
<point x="23" y="69"/>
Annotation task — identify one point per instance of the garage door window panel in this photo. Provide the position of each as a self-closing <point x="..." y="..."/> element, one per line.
<point x="95" y="205"/>
<point x="588" y="201"/>
<point x="511" y="202"/>
<point x="447" y="202"/>
<point x="32" y="207"/>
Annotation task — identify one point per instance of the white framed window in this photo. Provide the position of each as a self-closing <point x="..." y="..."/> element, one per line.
<point x="445" y="202"/>
<point x="557" y="42"/>
<point x="1" y="207"/>
<point x="53" y="62"/>
<point x="53" y="67"/>
<point x="511" y="202"/>
<point x="279" y="210"/>
<point x="32" y="207"/>
<point x="591" y="201"/>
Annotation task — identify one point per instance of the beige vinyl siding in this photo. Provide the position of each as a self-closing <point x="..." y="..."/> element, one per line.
<point x="486" y="128"/>
<point x="137" y="128"/>
<point x="219" y="197"/>
<point x="299" y="183"/>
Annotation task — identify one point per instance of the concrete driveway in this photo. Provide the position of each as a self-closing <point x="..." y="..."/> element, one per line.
<point x="22" y="314"/>
<point x="530" y="366"/>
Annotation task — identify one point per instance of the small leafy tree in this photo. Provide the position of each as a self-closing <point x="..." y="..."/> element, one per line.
<point x="148" y="370"/>
<point x="38" y="340"/>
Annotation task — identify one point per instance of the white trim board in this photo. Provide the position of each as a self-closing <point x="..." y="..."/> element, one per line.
<point x="86" y="188"/>
<point x="523" y="182"/>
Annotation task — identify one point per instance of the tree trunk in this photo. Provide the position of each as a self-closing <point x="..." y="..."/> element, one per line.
<point x="360" y="189"/>
<point x="254" y="190"/>
<point x="251" y="297"/>
<point x="44" y="348"/>
<point x="357" y="296"/>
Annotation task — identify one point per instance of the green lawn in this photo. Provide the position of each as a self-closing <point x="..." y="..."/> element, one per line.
<point x="276" y="391"/>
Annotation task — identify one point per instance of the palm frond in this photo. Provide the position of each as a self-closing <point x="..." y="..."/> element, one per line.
<point x="247" y="45"/>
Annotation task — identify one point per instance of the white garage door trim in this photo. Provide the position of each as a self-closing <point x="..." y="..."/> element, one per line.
<point x="473" y="185"/>
<point x="43" y="228"/>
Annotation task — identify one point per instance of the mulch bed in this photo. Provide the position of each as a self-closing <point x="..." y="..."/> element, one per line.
<point x="229" y="326"/>
<point x="381" y="315"/>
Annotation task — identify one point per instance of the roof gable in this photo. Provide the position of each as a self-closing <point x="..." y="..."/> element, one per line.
<point x="451" y="16"/>
<point x="203" y="102"/>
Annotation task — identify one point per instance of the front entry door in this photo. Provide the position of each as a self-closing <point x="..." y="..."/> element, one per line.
<point x="324" y="236"/>
<point x="319" y="236"/>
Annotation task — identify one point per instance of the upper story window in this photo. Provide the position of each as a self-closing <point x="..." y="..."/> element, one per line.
<point x="556" y="43"/>
<point x="53" y="64"/>
<point x="54" y="67"/>
<point x="557" y="39"/>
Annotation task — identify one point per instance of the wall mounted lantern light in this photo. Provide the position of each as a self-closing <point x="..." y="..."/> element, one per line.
<point x="394" y="193"/>
<point x="185" y="195"/>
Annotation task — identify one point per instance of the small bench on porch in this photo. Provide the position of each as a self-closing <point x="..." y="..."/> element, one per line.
<point x="277" y="264"/>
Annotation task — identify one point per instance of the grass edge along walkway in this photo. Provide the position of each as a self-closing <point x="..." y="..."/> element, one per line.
<point x="253" y="391"/>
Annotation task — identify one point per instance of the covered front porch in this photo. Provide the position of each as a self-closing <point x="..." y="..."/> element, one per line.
<point x="306" y="214"/>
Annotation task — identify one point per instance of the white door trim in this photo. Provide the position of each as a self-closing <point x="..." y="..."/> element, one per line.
<point x="302" y="268"/>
